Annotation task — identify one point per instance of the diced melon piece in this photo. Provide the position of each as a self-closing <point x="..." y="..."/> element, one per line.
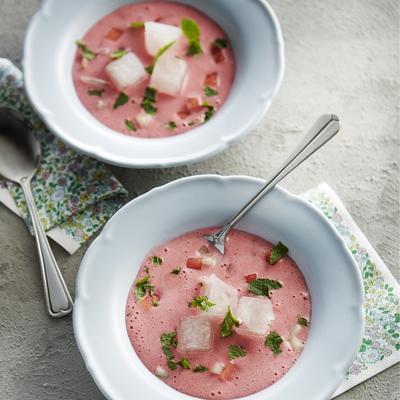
<point x="158" y="35"/>
<point x="256" y="315"/>
<point x="161" y="372"/>
<point x="127" y="71"/>
<point x="221" y="294"/>
<point x="217" y="368"/>
<point x="195" y="334"/>
<point x="295" y="343"/>
<point x="169" y="74"/>
<point x="143" y="119"/>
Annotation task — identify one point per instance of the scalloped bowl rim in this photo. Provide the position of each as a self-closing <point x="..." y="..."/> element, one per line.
<point x="315" y="388"/>
<point x="105" y="147"/>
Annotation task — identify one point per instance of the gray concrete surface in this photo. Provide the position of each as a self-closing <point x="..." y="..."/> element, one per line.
<point x="342" y="57"/>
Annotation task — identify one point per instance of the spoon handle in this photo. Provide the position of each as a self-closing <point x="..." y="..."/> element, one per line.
<point x="322" y="131"/>
<point x="58" y="300"/>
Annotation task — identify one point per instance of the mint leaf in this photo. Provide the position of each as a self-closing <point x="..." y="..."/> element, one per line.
<point x="184" y="363"/>
<point x="121" y="99"/>
<point x="86" y="52"/>
<point x="160" y="52"/>
<point x="262" y="287"/>
<point x="192" y="32"/>
<point x="169" y="340"/>
<point x="137" y="24"/>
<point x="303" y="321"/>
<point x="96" y="92"/>
<point x="220" y="43"/>
<point x="228" y="323"/>
<point x="236" y="351"/>
<point x="274" y="341"/>
<point x="209" y="113"/>
<point x="130" y="125"/>
<point x="202" y="302"/>
<point x="200" y="368"/>
<point x="156" y="260"/>
<point x="118" y="53"/>
<point x="172" y="125"/>
<point x="148" y="102"/>
<point x="279" y="251"/>
<point x="209" y="91"/>
<point x="142" y="287"/>
<point x="176" y="271"/>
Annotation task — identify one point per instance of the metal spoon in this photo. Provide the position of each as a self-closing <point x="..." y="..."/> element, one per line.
<point x="19" y="161"/>
<point x="320" y="133"/>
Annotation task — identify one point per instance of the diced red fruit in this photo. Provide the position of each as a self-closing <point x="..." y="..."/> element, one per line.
<point x="114" y="34"/>
<point x="229" y="372"/>
<point x="192" y="104"/>
<point x="250" y="278"/>
<point x="212" y="79"/>
<point x="194" y="263"/>
<point x="183" y="114"/>
<point x="149" y="301"/>
<point x="217" y="54"/>
<point x="204" y="250"/>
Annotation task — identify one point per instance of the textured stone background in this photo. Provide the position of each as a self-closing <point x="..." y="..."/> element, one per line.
<point x="342" y="57"/>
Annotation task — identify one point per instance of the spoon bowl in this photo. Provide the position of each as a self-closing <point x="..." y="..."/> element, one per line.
<point x="19" y="153"/>
<point x="19" y="161"/>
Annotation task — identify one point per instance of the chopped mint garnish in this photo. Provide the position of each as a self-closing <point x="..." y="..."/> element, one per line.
<point x="192" y="32"/>
<point x="96" y="92"/>
<point x="118" y="53"/>
<point x="149" y="99"/>
<point x="236" y="351"/>
<point x="156" y="260"/>
<point x="172" y="125"/>
<point x="228" y="323"/>
<point x="221" y="43"/>
<point x="209" y="91"/>
<point x="279" y="251"/>
<point x="146" y="269"/>
<point x="86" y="52"/>
<point x="176" y="271"/>
<point x="130" y="125"/>
<point x="169" y="340"/>
<point x="184" y="363"/>
<point x="210" y="111"/>
<point x="160" y="52"/>
<point x="303" y="322"/>
<point x="121" y="100"/>
<point x="262" y="287"/>
<point x="137" y="24"/>
<point x="202" y="302"/>
<point x="143" y="287"/>
<point x="274" y="341"/>
<point x="200" y="368"/>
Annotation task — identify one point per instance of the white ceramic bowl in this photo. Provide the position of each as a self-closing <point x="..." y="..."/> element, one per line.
<point x="49" y="49"/>
<point x="112" y="261"/>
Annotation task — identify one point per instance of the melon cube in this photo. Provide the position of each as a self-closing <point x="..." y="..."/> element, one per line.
<point x="195" y="334"/>
<point x="158" y="35"/>
<point x="256" y="315"/>
<point x="169" y="74"/>
<point x="127" y="71"/>
<point x="221" y="294"/>
<point x="144" y="119"/>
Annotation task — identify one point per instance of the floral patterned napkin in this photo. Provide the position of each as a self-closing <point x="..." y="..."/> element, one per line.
<point x="380" y="347"/>
<point x="75" y="195"/>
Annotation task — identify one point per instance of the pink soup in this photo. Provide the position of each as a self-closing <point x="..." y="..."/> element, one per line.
<point x="218" y="327"/>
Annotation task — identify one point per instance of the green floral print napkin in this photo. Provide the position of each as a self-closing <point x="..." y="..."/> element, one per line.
<point x="380" y="347"/>
<point x="75" y="195"/>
